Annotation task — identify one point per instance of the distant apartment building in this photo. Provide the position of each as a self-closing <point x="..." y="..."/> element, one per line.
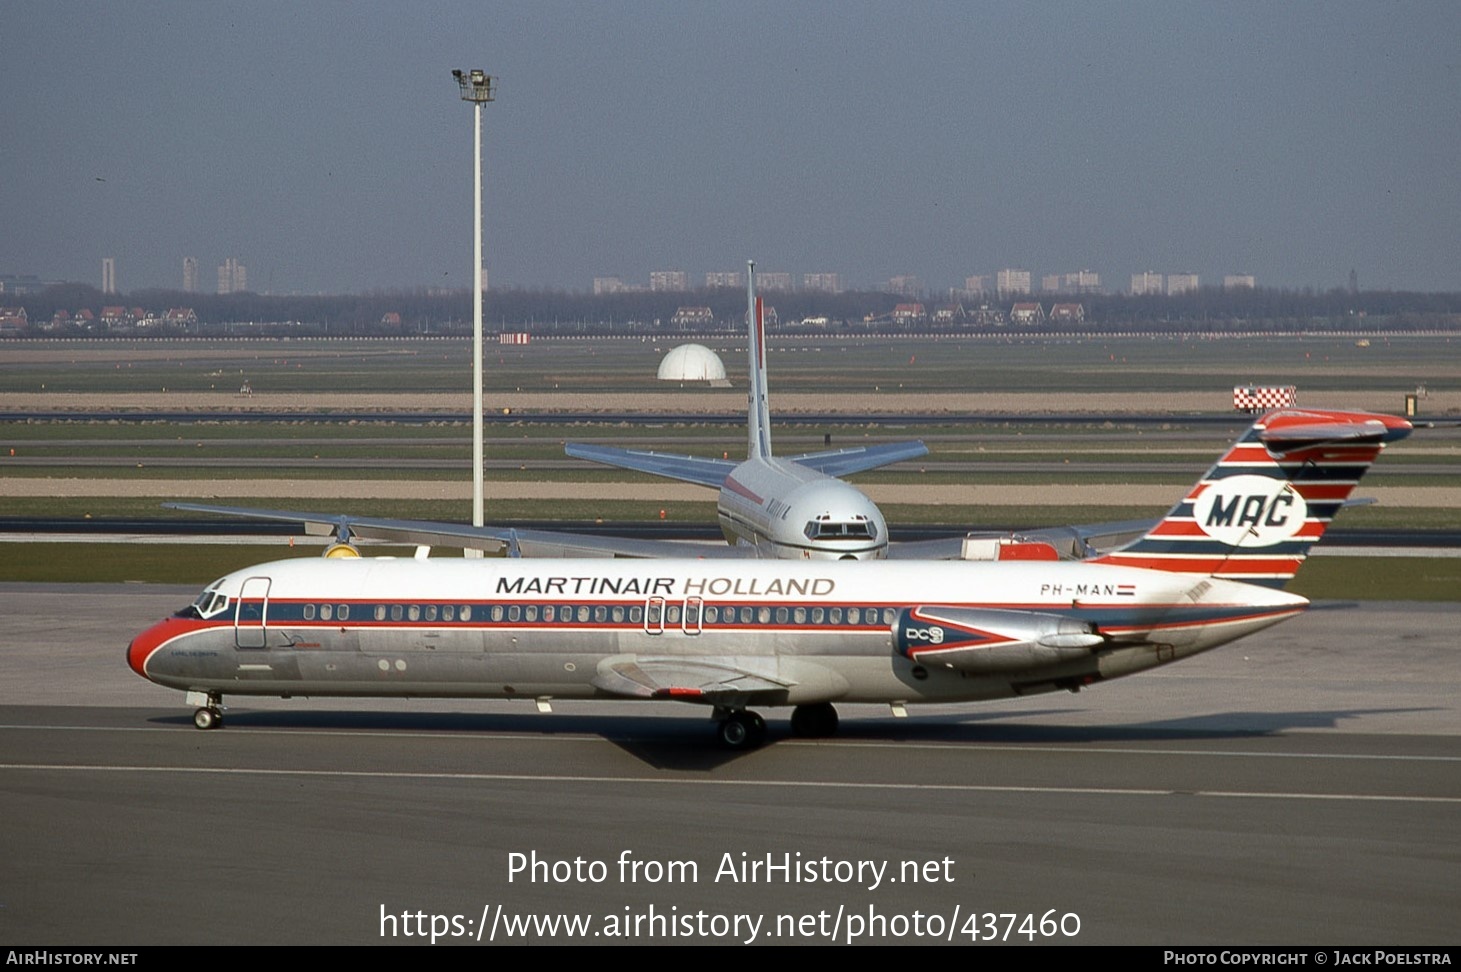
<point x="233" y="277"/>
<point x="190" y="275"/>
<point x="1147" y="283"/>
<point x="725" y="278"/>
<point x="830" y="283"/>
<point x="108" y="275"/>
<point x="1080" y="282"/>
<point x="1182" y="283"/>
<point x="608" y="285"/>
<point x="978" y="284"/>
<point x="673" y="281"/>
<point x="1008" y="282"/>
<point x="905" y="285"/>
<point x="1238" y="281"/>
<point x="773" y="280"/>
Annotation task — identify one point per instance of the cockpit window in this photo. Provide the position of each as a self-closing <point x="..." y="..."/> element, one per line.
<point x="860" y="528"/>
<point x="207" y="604"/>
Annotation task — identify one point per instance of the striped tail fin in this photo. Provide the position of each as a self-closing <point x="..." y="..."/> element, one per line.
<point x="1256" y="513"/>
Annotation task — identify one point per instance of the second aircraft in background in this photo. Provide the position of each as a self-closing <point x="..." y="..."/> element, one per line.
<point x="791" y="508"/>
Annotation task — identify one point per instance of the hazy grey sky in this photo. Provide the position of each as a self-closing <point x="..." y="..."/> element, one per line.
<point x="325" y="146"/>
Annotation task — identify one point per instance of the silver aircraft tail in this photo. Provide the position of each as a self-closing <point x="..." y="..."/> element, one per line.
<point x="758" y="412"/>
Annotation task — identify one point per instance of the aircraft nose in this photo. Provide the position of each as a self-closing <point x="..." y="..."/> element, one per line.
<point x="142" y="646"/>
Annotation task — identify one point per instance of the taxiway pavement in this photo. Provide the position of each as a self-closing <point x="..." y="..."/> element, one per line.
<point x="1302" y="786"/>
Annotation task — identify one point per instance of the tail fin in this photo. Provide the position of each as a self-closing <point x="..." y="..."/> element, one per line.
<point x="758" y="417"/>
<point x="1257" y="512"/>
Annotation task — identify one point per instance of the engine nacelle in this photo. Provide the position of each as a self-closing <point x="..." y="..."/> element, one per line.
<point x="336" y="551"/>
<point x="991" y="640"/>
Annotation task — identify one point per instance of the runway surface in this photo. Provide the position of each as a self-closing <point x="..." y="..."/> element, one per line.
<point x="1300" y="787"/>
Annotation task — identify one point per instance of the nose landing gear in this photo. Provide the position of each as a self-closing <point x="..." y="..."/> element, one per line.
<point x="209" y="714"/>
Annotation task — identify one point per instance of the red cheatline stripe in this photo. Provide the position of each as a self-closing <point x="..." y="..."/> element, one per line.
<point x="1219" y="566"/>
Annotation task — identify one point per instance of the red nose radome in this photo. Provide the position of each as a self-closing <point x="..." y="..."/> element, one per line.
<point x="154" y="638"/>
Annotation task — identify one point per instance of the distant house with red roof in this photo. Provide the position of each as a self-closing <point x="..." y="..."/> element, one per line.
<point x="1068" y="313"/>
<point x="1027" y="313"/>
<point x="913" y="313"/>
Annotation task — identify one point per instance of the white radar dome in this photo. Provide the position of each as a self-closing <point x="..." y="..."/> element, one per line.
<point x="692" y="362"/>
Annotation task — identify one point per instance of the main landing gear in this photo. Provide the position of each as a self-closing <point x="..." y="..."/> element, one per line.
<point x="744" y="729"/>
<point x="814" y="721"/>
<point x="741" y="729"/>
<point x="209" y="714"/>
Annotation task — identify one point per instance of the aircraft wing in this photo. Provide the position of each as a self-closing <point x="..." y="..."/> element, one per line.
<point x="527" y="543"/>
<point x="842" y="462"/>
<point x="688" y="469"/>
<point x="685" y="679"/>
<point x="1070" y="542"/>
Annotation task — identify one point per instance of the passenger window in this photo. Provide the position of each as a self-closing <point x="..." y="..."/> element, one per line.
<point x="466" y="612"/>
<point x="617" y="614"/>
<point x="497" y="612"/>
<point x="764" y="615"/>
<point x="309" y="612"/>
<point x="396" y="612"/>
<point x="601" y="613"/>
<point x="343" y="613"/>
<point x="413" y="613"/>
<point x="799" y="615"/>
<point x="672" y="614"/>
<point x="834" y="615"/>
<point x="380" y="612"/>
<point x="514" y="613"/>
<point x="448" y="612"/>
<point x="636" y="614"/>
<point x="710" y="615"/>
<point x="888" y="615"/>
<point x="816" y="615"/>
<point x="548" y="612"/>
<point x="530" y="612"/>
<point x="583" y="613"/>
<point x="431" y="612"/>
<point x="781" y="615"/>
<point x="326" y="612"/>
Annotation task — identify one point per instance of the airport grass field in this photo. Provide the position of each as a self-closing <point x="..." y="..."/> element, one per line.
<point x="76" y="444"/>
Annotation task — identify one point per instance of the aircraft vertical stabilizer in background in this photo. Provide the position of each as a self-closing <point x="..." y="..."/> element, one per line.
<point x="792" y="508"/>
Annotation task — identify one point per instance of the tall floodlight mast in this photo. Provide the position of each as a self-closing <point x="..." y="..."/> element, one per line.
<point x="476" y="87"/>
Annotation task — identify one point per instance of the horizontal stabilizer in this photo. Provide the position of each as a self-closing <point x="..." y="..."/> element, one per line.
<point x="686" y="469"/>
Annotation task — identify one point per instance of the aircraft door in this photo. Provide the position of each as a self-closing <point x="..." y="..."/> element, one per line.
<point x="691" y="619"/>
<point x="654" y="616"/>
<point x="251" y="616"/>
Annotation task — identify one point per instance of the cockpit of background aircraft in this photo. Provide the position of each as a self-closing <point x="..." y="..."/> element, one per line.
<point x="825" y="528"/>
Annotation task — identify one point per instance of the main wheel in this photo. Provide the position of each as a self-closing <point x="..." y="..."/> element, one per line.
<point x="814" y="721"/>
<point x="742" y="730"/>
<point x="207" y="718"/>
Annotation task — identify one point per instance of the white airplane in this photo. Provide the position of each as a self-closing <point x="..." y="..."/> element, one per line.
<point x="770" y="507"/>
<point x="780" y="633"/>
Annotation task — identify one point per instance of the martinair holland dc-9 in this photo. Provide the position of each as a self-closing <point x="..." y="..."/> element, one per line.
<point x="744" y="634"/>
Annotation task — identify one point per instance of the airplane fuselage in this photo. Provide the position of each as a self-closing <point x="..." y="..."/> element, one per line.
<point x="790" y="512"/>
<point x="731" y="632"/>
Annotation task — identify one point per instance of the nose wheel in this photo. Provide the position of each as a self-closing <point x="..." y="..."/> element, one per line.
<point x="742" y="729"/>
<point x="209" y="714"/>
